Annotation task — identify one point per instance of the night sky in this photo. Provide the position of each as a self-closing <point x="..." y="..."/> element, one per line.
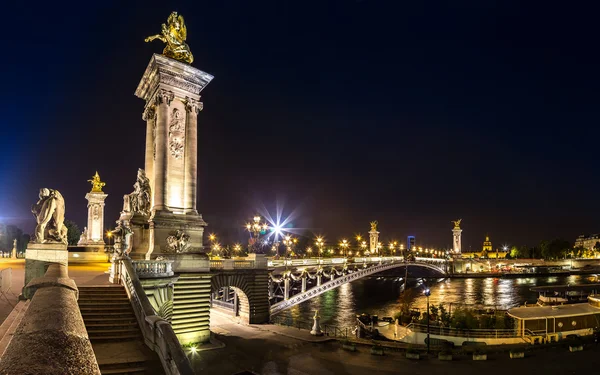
<point x="409" y="113"/>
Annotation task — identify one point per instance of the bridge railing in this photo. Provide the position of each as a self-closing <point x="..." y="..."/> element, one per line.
<point x="329" y="261"/>
<point x="475" y="333"/>
<point x="232" y="264"/>
<point x="158" y="333"/>
<point x="153" y="268"/>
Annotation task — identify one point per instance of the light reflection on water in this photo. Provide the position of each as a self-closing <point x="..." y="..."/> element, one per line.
<point x="380" y="296"/>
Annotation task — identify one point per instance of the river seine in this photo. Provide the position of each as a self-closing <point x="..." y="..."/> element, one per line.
<point x="379" y="296"/>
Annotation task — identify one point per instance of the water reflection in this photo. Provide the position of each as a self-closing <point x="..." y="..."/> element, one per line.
<point x="380" y="296"/>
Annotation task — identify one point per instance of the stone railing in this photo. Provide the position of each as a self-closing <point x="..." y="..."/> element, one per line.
<point x="153" y="268"/>
<point x="158" y="333"/>
<point x="232" y="264"/>
<point x="51" y="337"/>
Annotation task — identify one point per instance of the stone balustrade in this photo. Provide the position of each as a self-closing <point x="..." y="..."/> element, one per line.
<point x="232" y="264"/>
<point x="153" y="268"/>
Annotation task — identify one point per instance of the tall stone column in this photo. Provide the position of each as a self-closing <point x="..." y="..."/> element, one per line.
<point x="93" y="235"/>
<point x="456" y="237"/>
<point x="149" y="116"/>
<point x="171" y="89"/>
<point x="373" y="241"/>
<point x="162" y="101"/>
<point x="192" y="107"/>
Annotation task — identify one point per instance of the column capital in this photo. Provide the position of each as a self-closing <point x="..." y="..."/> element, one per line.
<point x="164" y="96"/>
<point x="192" y="105"/>
<point x="148" y="113"/>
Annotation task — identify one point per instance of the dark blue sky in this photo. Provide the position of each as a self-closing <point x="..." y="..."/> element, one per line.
<point x="410" y="113"/>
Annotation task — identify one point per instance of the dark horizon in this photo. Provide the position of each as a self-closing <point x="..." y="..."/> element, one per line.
<point x="346" y="112"/>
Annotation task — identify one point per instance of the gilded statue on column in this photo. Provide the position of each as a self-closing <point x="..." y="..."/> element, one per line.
<point x="374" y="226"/>
<point x="97" y="185"/>
<point x="174" y="34"/>
<point x="456" y="223"/>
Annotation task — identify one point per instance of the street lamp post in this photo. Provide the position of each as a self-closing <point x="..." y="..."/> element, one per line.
<point x="320" y="244"/>
<point x="256" y="228"/>
<point x="427" y="293"/>
<point x="344" y="246"/>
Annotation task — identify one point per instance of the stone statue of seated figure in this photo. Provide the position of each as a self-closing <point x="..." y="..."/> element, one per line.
<point x="139" y="200"/>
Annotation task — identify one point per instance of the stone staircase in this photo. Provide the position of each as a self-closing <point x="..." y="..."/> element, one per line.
<point x="113" y="330"/>
<point x="191" y="307"/>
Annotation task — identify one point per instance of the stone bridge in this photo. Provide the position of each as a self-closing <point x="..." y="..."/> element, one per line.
<point x="184" y="292"/>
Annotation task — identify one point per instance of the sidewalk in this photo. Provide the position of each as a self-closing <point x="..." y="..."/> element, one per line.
<point x="295" y="333"/>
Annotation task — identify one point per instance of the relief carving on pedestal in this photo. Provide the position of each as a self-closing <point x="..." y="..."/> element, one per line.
<point x="178" y="243"/>
<point x="176" y="134"/>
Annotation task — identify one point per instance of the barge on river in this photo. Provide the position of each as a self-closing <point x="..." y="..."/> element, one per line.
<point x="564" y="294"/>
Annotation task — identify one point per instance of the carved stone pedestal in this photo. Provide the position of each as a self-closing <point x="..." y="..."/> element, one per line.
<point x="39" y="256"/>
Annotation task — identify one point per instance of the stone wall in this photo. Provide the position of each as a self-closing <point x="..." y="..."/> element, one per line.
<point x="51" y="338"/>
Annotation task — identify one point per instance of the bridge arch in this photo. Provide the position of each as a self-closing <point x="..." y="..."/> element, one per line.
<point x="251" y="288"/>
<point x="347" y="278"/>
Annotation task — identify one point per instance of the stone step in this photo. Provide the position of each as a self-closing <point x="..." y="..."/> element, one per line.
<point x="188" y="296"/>
<point x="123" y="370"/>
<point x="116" y="338"/>
<point x="181" y="310"/>
<point x="177" y="327"/>
<point x="191" y="291"/>
<point x="113" y="325"/>
<point x="105" y="303"/>
<point x="187" y="330"/>
<point x="95" y="319"/>
<point x="189" y="315"/>
<point x="106" y="334"/>
<point x="93" y="314"/>
<point x="199" y="287"/>
<point x="183" y="301"/>
<point x="103" y="299"/>
<point x="185" y="320"/>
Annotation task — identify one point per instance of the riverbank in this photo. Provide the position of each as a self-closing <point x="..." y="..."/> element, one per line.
<point x="509" y="275"/>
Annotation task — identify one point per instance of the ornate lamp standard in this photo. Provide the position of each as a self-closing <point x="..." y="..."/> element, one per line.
<point x="402" y="251"/>
<point x="109" y="235"/>
<point x="256" y="228"/>
<point x="363" y="246"/>
<point x="427" y="293"/>
<point x="344" y="245"/>
<point x="392" y="246"/>
<point x="320" y="242"/>
<point x="289" y="242"/>
<point x="237" y="248"/>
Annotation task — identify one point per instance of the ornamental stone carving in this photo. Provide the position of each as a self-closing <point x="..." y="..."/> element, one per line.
<point x="193" y="106"/>
<point x="122" y="234"/>
<point x="164" y="96"/>
<point x="176" y="134"/>
<point x="49" y="212"/>
<point x="139" y="200"/>
<point x="178" y="243"/>
<point x="149" y="113"/>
